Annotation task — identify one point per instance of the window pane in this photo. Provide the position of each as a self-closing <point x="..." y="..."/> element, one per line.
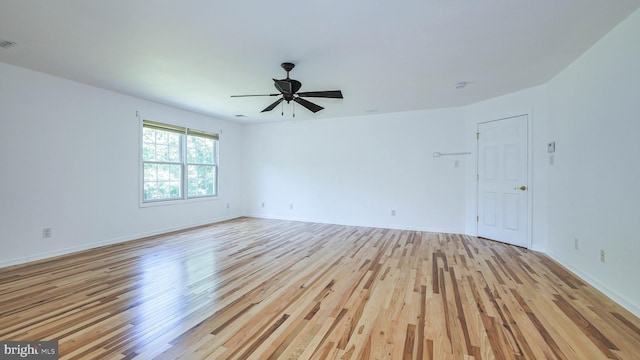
<point x="162" y="152"/>
<point x="162" y="137"/>
<point x="201" y="180"/>
<point x="175" y="173"/>
<point x="174" y="189"/>
<point x="148" y="152"/>
<point x="173" y="155"/>
<point x="150" y="172"/>
<point x="173" y="143"/>
<point x="165" y="171"/>
<point x="200" y="150"/>
<point x="148" y="145"/>
<point x="162" y="181"/>
<point x="148" y="136"/>
<point x="163" y="190"/>
<point x="168" y="189"/>
<point x="158" y="145"/>
<point x="150" y="190"/>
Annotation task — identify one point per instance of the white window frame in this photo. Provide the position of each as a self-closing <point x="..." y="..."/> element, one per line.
<point x="184" y="132"/>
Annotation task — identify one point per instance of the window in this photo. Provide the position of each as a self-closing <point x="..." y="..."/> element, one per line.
<point x="178" y="163"/>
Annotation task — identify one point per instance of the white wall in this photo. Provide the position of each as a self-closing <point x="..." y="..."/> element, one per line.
<point x="69" y="160"/>
<point x="58" y="137"/>
<point x="532" y="102"/>
<point x="593" y="186"/>
<point x="357" y="170"/>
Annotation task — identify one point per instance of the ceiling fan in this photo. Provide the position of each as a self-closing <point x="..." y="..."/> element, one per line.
<point x="288" y="89"/>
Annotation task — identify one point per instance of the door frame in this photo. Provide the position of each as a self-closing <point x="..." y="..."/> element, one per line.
<point x="530" y="186"/>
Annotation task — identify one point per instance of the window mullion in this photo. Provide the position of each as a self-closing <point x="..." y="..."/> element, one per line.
<point x="183" y="160"/>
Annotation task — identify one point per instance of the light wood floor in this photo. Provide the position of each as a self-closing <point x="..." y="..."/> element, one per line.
<point x="269" y="289"/>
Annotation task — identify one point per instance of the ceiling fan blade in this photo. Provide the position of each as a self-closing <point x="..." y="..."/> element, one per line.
<point x="334" y="94"/>
<point x="295" y="85"/>
<point x="308" y="104"/>
<point x="255" y="95"/>
<point x="272" y="106"/>
<point x="283" y="86"/>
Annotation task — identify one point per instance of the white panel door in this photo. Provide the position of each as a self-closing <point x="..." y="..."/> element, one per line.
<point x="502" y="180"/>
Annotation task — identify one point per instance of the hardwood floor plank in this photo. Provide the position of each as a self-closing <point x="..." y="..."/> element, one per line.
<point x="410" y="338"/>
<point x="549" y="340"/>
<point x="271" y="289"/>
<point x="597" y="338"/>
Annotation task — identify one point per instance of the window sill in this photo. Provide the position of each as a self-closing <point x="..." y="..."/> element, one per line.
<point x="177" y="202"/>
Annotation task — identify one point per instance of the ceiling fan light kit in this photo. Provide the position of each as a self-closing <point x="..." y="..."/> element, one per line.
<point x="288" y="90"/>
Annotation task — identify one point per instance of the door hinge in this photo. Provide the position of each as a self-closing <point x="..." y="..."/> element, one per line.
<point x="478" y="177"/>
<point x="477" y="218"/>
<point x="477" y="135"/>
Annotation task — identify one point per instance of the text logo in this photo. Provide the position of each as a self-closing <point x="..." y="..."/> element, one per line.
<point x="31" y="350"/>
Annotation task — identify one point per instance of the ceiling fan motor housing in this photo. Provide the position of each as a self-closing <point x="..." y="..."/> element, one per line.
<point x="288" y="87"/>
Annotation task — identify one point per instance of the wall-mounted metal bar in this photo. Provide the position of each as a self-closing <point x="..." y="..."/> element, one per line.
<point x="438" y="154"/>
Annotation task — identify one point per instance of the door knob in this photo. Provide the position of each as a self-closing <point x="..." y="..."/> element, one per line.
<point x="523" y="188"/>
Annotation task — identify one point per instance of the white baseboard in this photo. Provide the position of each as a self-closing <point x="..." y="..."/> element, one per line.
<point x="372" y="225"/>
<point x="538" y="249"/>
<point x="92" y="245"/>
<point x="621" y="300"/>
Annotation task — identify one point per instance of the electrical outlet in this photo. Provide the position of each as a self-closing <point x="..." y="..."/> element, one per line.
<point x="576" y="244"/>
<point x="227" y="205"/>
<point x="551" y="147"/>
<point x="263" y="204"/>
<point x="393" y="213"/>
<point x="290" y="206"/>
<point x="46" y="233"/>
<point x="601" y="255"/>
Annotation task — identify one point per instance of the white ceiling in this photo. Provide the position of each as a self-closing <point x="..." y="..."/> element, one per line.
<point x="385" y="56"/>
